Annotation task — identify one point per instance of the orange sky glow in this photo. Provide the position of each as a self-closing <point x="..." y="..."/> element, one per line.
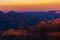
<point x="29" y="5"/>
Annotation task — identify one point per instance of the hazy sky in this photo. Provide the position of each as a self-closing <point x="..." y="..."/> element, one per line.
<point x="29" y="5"/>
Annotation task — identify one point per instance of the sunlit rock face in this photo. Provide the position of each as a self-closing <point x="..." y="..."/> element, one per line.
<point x="13" y="32"/>
<point x="56" y="22"/>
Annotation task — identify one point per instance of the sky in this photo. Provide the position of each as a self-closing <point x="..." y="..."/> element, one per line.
<point x="29" y="5"/>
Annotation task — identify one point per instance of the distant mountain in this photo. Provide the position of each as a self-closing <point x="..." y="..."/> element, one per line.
<point x="14" y="19"/>
<point x="58" y="11"/>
